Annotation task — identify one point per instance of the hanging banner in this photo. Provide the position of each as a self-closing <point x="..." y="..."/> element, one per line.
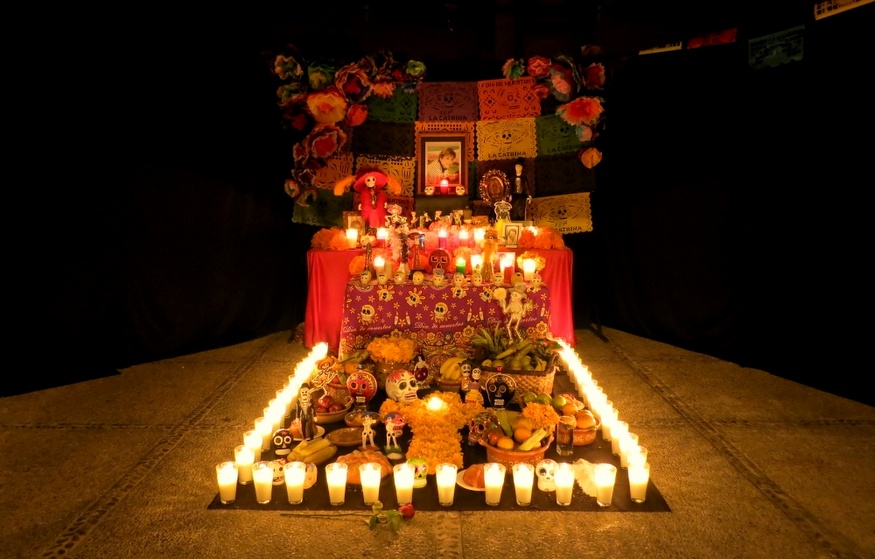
<point x="448" y="101"/>
<point x="567" y="213"/>
<point x="508" y="99"/>
<point x="776" y="49"/>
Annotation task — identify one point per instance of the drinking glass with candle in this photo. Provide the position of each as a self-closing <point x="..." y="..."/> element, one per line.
<point x="264" y="427"/>
<point x="379" y="264"/>
<point x="262" y="477"/>
<point x="352" y="237"/>
<point x="529" y="265"/>
<point x="226" y="477"/>
<point x="445" y="474"/>
<point x="252" y="439"/>
<point x="523" y="479"/>
<point x="370" y="473"/>
<point x="335" y="478"/>
<point x="619" y="431"/>
<point x="403" y="476"/>
<point x="460" y="265"/>
<point x="442" y="238"/>
<point x="629" y="442"/>
<point x="244" y="458"/>
<point x="382" y="236"/>
<point x="565" y="435"/>
<point x="493" y="477"/>
<point x="295" y="475"/>
<point x="639" y="477"/>
<point x="605" y="476"/>
<point x="564" y="477"/>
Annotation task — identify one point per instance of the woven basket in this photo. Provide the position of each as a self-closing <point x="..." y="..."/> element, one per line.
<point x="539" y="382"/>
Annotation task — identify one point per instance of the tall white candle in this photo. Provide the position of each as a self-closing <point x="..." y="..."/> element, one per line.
<point x="445" y="474"/>
<point x="370" y="473"/>
<point x="264" y="426"/>
<point x="523" y="479"/>
<point x="335" y="478"/>
<point x="262" y="477"/>
<point x="619" y="431"/>
<point x="629" y="442"/>
<point x="639" y="476"/>
<point x="379" y="264"/>
<point x="352" y="237"/>
<point x="605" y="476"/>
<point x="529" y="266"/>
<point x="564" y="483"/>
<point x="226" y="476"/>
<point x="244" y="458"/>
<point x="493" y="477"/>
<point x="295" y="474"/>
<point x="252" y="439"/>
<point x="402" y="474"/>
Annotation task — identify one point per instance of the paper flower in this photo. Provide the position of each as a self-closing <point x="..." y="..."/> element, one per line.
<point x="583" y="110"/>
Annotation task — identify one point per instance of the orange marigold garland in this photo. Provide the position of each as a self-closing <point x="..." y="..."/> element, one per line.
<point x="324" y="239"/>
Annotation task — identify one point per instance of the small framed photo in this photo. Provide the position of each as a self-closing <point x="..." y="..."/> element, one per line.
<point x="511" y="234"/>
<point x="443" y="168"/>
<point x="354" y="220"/>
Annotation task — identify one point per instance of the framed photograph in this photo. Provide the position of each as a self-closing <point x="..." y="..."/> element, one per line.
<point x="354" y="220"/>
<point x="442" y="157"/>
<point x="511" y="235"/>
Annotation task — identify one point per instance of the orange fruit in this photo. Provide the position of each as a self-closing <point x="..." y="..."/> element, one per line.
<point x="505" y="443"/>
<point x="521" y="434"/>
<point x="569" y="409"/>
<point x="585" y="419"/>
<point x="493" y="435"/>
<point x="523" y="421"/>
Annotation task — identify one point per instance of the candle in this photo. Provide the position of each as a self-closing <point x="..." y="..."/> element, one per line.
<point x="442" y="238"/>
<point x="476" y="262"/>
<point x="382" y="236"/>
<point x="479" y="235"/>
<point x="379" y="264"/>
<point x="460" y="265"/>
<point x="403" y="476"/>
<point x="619" y="431"/>
<point x="639" y="476"/>
<point x="252" y="439"/>
<point x="295" y="473"/>
<point x="564" y="483"/>
<point x="352" y="237"/>
<point x="445" y="474"/>
<point x="445" y="186"/>
<point x="523" y="478"/>
<point x="244" y="458"/>
<point x="493" y="477"/>
<point x="264" y="426"/>
<point x="370" y="473"/>
<point x="463" y="237"/>
<point x="626" y="445"/>
<point x="335" y="478"/>
<point x="226" y="476"/>
<point x="262" y="476"/>
<point x="529" y="266"/>
<point x="605" y="475"/>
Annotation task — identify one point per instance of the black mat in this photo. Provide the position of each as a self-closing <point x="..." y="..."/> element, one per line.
<point x="425" y="499"/>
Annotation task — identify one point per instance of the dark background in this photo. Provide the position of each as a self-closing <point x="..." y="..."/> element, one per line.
<point x="148" y="217"/>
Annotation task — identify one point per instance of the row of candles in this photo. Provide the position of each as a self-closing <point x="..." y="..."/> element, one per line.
<point x="465" y="238"/>
<point x="625" y="444"/>
<point x="506" y="265"/>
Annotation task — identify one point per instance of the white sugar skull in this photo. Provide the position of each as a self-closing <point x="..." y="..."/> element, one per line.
<point x="279" y="474"/>
<point x="438" y="280"/>
<point x="537" y="282"/>
<point x="477" y="279"/>
<point x="367" y="314"/>
<point x="459" y="279"/>
<point x="382" y="278"/>
<point x="365" y="277"/>
<point x="400" y="277"/>
<point x="546" y="472"/>
<point x="440" y="312"/>
<point x="401" y="385"/>
<point x="418" y="278"/>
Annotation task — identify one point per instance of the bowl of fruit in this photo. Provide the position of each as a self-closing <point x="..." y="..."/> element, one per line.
<point x="516" y="439"/>
<point x="586" y="429"/>
<point x="330" y="409"/>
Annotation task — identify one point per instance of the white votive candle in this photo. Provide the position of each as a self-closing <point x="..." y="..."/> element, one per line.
<point x="402" y="475"/>
<point x="605" y="476"/>
<point x="295" y="474"/>
<point x="639" y="477"/>
<point x="252" y="439"/>
<point x="619" y="431"/>
<point x="629" y="442"/>
<point x="244" y="458"/>
<point x="226" y="476"/>
<point x="493" y="477"/>
<point x="529" y="266"/>
<point x="264" y="426"/>
<point x="564" y="477"/>
<point x="445" y="475"/>
<point x="262" y="477"/>
<point x="352" y="237"/>
<point x="523" y="479"/>
<point x="370" y="473"/>
<point x="335" y="478"/>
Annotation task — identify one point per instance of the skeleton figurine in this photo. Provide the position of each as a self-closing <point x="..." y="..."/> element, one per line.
<point x="305" y="412"/>
<point x="394" y="423"/>
<point x="514" y="309"/>
<point x="368" y="432"/>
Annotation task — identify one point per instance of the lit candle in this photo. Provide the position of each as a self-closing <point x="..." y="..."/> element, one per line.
<point x="226" y="476"/>
<point x="507" y="270"/>
<point x="564" y="477"/>
<point x="529" y="266"/>
<point x="442" y="238"/>
<point x="463" y="237"/>
<point x="523" y="479"/>
<point x="619" y="431"/>
<point x="445" y="474"/>
<point x="295" y="473"/>
<point x="379" y="264"/>
<point x="460" y="265"/>
<point x="352" y="237"/>
<point x="382" y="236"/>
<point x="435" y="403"/>
<point x="403" y="476"/>
<point x="639" y="477"/>
<point x="262" y="476"/>
<point x="370" y="473"/>
<point x="445" y="186"/>
<point x="626" y="445"/>
<point x="244" y="458"/>
<point x="264" y="426"/>
<point x="252" y="439"/>
<point x="476" y="262"/>
<point x="335" y="478"/>
<point x="493" y="477"/>
<point x="605" y="476"/>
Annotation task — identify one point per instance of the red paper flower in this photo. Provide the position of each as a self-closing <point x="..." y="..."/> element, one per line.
<point x="583" y="110"/>
<point x="538" y="66"/>
<point x="594" y="76"/>
<point x="327" y="106"/>
<point x="325" y="140"/>
<point x="357" y="114"/>
<point x="353" y="82"/>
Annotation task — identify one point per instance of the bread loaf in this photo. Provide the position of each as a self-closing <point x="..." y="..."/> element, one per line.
<point x="473" y="476"/>
<point x="358" y="457"/>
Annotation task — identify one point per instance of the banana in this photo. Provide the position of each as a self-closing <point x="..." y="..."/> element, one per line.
<point x="320" y="455"/>
<point x="451" y="368"/>
<point x="313" y="447"/>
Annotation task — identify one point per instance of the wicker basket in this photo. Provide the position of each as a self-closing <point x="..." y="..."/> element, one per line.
<point x="539" y="382"/>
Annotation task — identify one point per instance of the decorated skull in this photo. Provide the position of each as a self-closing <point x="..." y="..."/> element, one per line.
<point x="477" y="279"/>
<point x="537" y="281"/>
<point x="282" y="442"/>
<point x="546" y="472"/>
<point x="500" y="389"/>
<point x="400" y="277"/>
<point x="517" y="278"/>
<point x="439" y="258"/>
<point x="479" y="425"/>
<point x="362" y="385"/>
<point x="459" y="280"/>
<point x="367" y="314"/>
<point x="440" y="312"/>
<point x="420" y="471"/>
<point x="382" y="278"/>
<point x="401" y="385"/>
<point x="279" y="474"/>
<point x="418" y="277"/>
<point x="365" y="277"/>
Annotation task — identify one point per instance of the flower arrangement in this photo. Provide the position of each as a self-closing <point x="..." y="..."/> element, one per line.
<point x="331" y="238"/>
<point x="436" y="436"/>
<point x="321" y="103"/>
<point x="566" y="80"/>
<point x="391" y="349"/>
<point x="543" y="416"/>
<point x="540" y="261"/>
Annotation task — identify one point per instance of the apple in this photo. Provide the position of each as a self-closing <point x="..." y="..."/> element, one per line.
<point x="325" y="401"/>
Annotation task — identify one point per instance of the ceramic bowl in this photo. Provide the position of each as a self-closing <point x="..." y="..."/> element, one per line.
<point x="326" y="418"/>
<point x="583" y="437"/>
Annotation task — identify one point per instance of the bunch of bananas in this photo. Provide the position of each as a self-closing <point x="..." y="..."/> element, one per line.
<point x="451" y="369"/>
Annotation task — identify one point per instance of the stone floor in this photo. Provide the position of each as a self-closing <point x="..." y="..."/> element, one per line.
<point x="751" y="465"/>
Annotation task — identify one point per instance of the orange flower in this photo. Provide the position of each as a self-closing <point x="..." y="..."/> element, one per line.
<point x="583" y="110"/>
<point x="327" y="106"/>
<point x="590" y="157"/>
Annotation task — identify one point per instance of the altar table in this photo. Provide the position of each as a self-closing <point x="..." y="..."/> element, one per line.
<point x="328" y="275"/>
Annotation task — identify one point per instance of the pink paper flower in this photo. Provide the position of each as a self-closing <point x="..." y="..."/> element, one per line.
<point x="583" y="110"/>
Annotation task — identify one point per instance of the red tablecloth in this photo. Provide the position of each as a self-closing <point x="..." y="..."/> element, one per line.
<point x="328" y="274"/>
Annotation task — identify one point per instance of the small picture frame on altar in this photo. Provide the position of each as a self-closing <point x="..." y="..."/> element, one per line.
<point x="354" y="220"/>
<point x="512" y="234"/>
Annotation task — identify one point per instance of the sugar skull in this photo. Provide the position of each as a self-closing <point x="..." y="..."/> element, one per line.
<point x="282" y="442"/>
<point x="439" y="258"/>
<point x="279" y="474"/>
<point x="500" y="389"/>
<point x="477" y="279"/>
<point x="537" y="282"/>
<point x="418" y="277"/>
<point x="367" y="314"/>
<point x="438" y="279"/>
<point x="400" y="277"/>
<point x="362" y="385"/>
<point x="546" y="472"/>
<point x="429" y="190"/>
<point x="479" y="425"/>
<point x="365" y="277"/>
<point x="420" y="471"/>
<point x="459" y="280"/>
<point x="460" y="190"/>
<point x="382" y="278"/>
<point x="401" y="385"/>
